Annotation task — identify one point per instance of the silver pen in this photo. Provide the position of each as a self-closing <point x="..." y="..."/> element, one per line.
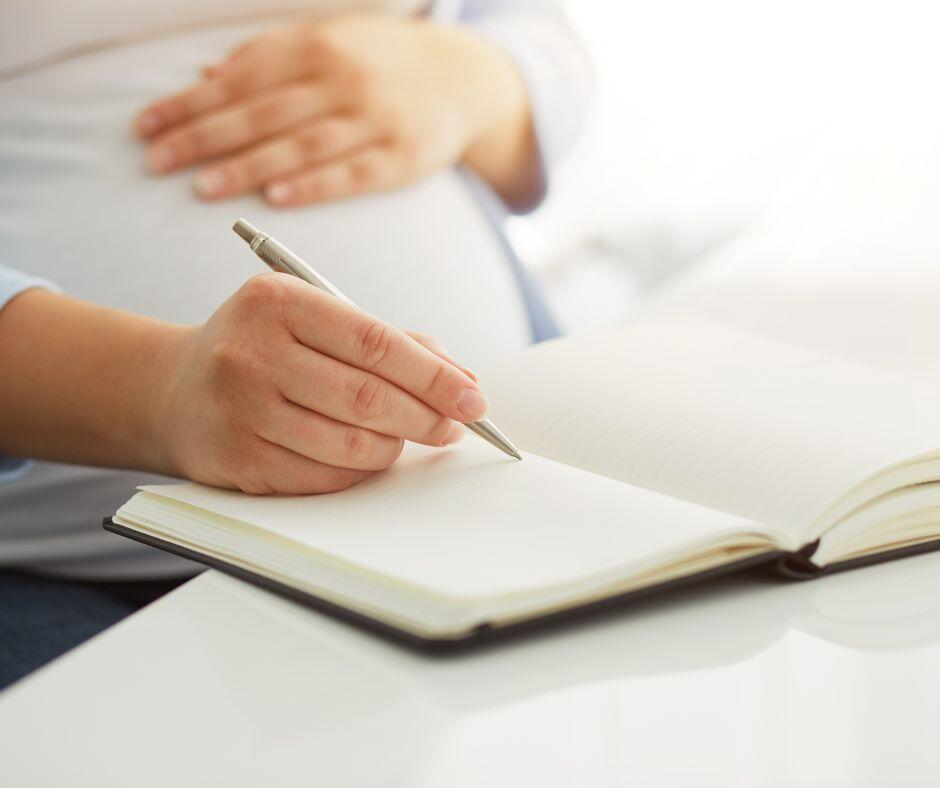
<point x="279" y="258"/>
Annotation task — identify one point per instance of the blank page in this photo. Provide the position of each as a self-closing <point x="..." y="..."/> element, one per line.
<point x="731" y="420"/>
<point x="469" y="522"/>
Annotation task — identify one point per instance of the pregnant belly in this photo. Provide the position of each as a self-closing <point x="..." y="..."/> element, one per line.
<point x="77" y="206"/>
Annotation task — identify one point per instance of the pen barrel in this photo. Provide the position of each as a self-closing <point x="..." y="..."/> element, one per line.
<point x="280" y="258"/>
<point x="266" y="249"/>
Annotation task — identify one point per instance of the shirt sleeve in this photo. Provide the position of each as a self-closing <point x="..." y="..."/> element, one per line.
<point x="12" y="283"/>
<point x="553" y="64"/>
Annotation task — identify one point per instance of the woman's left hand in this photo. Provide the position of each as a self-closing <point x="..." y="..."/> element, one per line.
<point x="354" y="104"/>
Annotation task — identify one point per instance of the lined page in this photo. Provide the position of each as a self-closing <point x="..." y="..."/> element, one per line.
<point x="731" y="420"/>
<point x="468" y="522"/>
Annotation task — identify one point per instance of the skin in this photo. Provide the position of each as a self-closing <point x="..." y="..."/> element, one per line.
<point x="261" y="398"/>
<point x="355" y="104"/>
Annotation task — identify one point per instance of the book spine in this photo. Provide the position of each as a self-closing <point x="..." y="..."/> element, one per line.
<point x="798" y="566"/>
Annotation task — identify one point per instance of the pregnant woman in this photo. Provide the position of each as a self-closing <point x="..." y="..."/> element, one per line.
<point x="381" y="144"/>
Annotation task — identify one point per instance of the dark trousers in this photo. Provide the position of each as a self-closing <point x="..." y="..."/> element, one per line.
<point x="41" y="618"/>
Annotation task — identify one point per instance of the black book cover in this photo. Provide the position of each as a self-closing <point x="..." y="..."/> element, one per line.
<point x="792" y="566"/>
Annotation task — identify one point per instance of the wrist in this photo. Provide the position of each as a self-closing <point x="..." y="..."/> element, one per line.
<point x="156" y="401"/>
<point x="502" y="148"/>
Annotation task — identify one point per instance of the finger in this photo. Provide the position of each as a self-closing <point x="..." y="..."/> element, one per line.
<point x="360" y="399"/>
<point x="214" y="69"/>
<point x="209" y="94"/>
<point x="372" y="169"/>
<point x="433" y="344"/>
<point x="314" y="142"/>
<point x="252" y="44"/>
<point x="236" y="126"/>
<point x="331" y="442"/>
<point x="343" y="332"/>
<point x="234" y="80"/>
<point x="280" y="470"/>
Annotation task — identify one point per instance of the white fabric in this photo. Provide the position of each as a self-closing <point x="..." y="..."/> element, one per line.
<point x="76" y="207"/>
<point x="556" y="72"/>
<point x="36" y="32"/>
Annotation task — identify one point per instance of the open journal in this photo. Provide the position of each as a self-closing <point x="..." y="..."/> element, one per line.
<point x="657" y="452"/>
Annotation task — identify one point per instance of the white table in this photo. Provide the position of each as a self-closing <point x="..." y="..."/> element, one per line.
<point x="744" y="681"/>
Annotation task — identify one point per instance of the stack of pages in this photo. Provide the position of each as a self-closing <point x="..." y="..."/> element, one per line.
<point x="656" y="452"/>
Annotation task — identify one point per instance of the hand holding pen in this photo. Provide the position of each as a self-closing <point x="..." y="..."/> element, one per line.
<point x="281" y="259"/>
<point x="290" y="389"/>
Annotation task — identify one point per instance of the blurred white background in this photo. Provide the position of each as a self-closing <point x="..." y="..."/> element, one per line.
<point x="705" y="111"/>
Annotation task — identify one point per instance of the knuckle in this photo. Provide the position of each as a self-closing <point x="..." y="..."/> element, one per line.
<point x="239" y="377"/>
<point x="366" y="169"/>
<point x="357" y="86"/>
<point x="262" y="302"/>
<point x="439" y="431"/>
<point x="369" y="399"/>
<point x="241" y="464"/>
<point x="374" y="344"/>
<point x="173" y="110"/>
<point x="440" y="380"/>
<point x="185" y="104"/>
<point x="270" y="113"/>
<point x="227" y="360"/>
<point x="357" y="446"/>
<point x="196" y="141"/>
<point x="308" y="48"/>
<point x="261" y="291"/>
<point x="263" y="114"/>
<point x="428" y="341"/>
<point x="316" y="139"/>
<point x="320" y="41"/>
<point x="229" y="85"/>
<point x="304" y="144"/>
<point x="251" y="169"/>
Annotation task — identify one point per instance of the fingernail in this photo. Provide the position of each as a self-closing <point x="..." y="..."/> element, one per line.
<point x="162" y="158"/>
<point x="279" y="192"/>
<point x="454" y="434"/>
<point x="472" y="404"/>
<point x="148" y="122"/>
<point x="209" y="183"/>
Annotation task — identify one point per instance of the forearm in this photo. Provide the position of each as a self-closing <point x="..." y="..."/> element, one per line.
<point x="79" y="382"/>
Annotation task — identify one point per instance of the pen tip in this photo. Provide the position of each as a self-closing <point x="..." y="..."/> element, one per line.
<point x="516" y="455"/>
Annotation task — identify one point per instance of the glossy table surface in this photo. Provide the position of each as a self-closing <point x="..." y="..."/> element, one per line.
<point x="745" y="680"/>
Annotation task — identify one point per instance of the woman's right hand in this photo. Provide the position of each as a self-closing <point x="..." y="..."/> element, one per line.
<point x="287" y="389"/>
